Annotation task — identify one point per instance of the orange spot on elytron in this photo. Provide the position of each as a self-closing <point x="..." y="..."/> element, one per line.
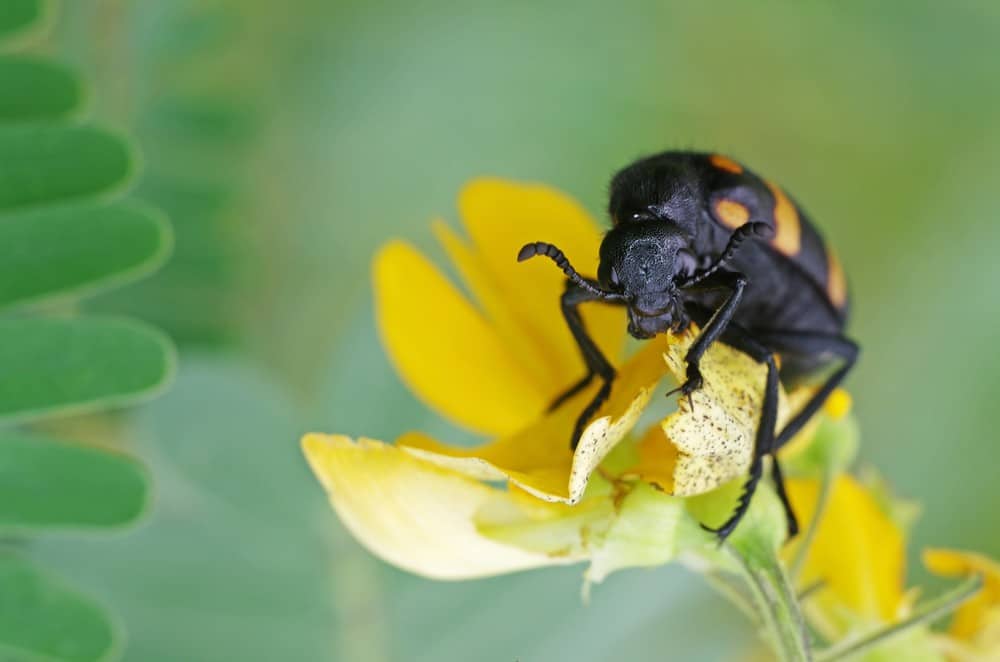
<point x="836" y="283"/>
<point x="732" y="213"/>
<point x="788" y="235"/>
<point x="725" y="163"/>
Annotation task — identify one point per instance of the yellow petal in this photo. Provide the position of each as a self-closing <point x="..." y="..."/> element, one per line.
<point x="503" y="316"/>
<point x="413" y="514"/>
<point x="715" y="437"/>
<point x="554" y="529"/>
<point x="975" y="618"/>
<point x="857" y="553"/>
<point x="657" y="460"/>
<point x="538" y="459"/>
<point x="444" y="349"/>
<point x="500" y="217"/>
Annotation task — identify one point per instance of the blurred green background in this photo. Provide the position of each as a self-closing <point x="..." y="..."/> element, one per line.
<point x="286" y="141"/>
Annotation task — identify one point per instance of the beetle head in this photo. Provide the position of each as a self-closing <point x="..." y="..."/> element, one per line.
<point x="644" y="262"/>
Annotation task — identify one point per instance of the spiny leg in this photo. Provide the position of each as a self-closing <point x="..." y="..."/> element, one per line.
<point x="763" y="445"/>
<point x="597" y="365"/>
<point x="738" y="338"/>
<point x="572" y="390"/>
<point x="579" y="290"/>
<point x="779" y="485"/>
<point x="809" y="343"/>
<point x="714" y="325"/>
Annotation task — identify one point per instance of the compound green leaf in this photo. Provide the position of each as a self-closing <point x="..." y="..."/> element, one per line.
<point x="41" y="164"/>
<point x="78" y="250"/>
<point x="56" y="366"/>
<point x="37" y="89"/>
<point x="47" y="484"/>
<point x="18" y="17"/>
<point x="41" y="620"/>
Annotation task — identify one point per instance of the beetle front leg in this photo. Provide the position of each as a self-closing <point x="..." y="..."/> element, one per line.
<point x="735" y="283"/>
<point x="597" y="364"/>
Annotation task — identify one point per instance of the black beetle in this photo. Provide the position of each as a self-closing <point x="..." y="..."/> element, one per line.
<point x="699" y="237"/>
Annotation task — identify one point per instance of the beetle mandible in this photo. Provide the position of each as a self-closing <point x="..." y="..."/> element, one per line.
<point x="699" y="237"/>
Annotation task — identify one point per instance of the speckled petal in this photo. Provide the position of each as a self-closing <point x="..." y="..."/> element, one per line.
<point x="714" y="432"/>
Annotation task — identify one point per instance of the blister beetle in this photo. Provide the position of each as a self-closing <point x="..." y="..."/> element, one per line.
<point x="699" y="237"/>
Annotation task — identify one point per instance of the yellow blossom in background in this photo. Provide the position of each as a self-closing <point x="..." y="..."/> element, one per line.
<point x="857" y="558"/>
<point x="856" y="569"/>
<point x="494" y="364"/>
<point x="974" y="635"/>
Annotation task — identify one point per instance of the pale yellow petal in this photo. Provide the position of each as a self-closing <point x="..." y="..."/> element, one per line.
<point x="858" y="552"/>
<point x="501" y="216"/>
<point x="446" y="351"/>
<point x="976" y="617"/>
<point x="538" y="458"/>
<point x="554" y="529"/>
<point x="414" y="514"/>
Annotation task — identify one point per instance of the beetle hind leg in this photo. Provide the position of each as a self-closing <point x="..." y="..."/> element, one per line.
<point x="737" y="337"/>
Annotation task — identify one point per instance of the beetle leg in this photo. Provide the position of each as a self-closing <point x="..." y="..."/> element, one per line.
<point x="738" y="338"/>
<point x="573" y="390"/>
<point x="811" y="344"/>
<point x="597" y="364"/>
<point x="716" y="324"/>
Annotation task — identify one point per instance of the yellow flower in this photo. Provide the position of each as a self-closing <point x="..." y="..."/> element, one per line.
<point x="975" y="630"/>
<point x="856" y="563"/>
<point x="856" y="557"/>
<point x="494" y="365"/>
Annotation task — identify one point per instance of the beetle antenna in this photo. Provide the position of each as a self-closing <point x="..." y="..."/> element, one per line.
<point x="741" y="234"/>
<point x="529" y="251"/>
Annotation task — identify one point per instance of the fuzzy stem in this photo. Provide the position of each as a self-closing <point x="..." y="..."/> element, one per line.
<point x="777" y="606"/>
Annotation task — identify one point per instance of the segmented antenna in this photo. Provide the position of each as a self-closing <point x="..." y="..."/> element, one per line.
<point x="529" y="251"/>
<point x="740" y="235"/>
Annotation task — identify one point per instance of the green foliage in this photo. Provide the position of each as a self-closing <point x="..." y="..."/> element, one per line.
<point x="57" y="244"/>
<point x="48" y="484"/>
<point x="18" y="17"/>
<point x="42" y="620"/>
<point x="76" y="365"/>
<point x="234" y="556"/>
<point x="49" y="163"/>
<point x="37" y="89"/>
<point x="72" y="251"/>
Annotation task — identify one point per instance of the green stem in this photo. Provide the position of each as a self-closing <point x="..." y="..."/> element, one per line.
<point x="931" y="611"/>
<point x="777" y="605"/>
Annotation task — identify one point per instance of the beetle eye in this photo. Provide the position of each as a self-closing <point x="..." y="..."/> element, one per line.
<point x="615" y="281"/>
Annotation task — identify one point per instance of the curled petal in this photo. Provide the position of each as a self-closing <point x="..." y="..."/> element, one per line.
<point x="979" y="618"/>
<point x="538" y="459"/>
